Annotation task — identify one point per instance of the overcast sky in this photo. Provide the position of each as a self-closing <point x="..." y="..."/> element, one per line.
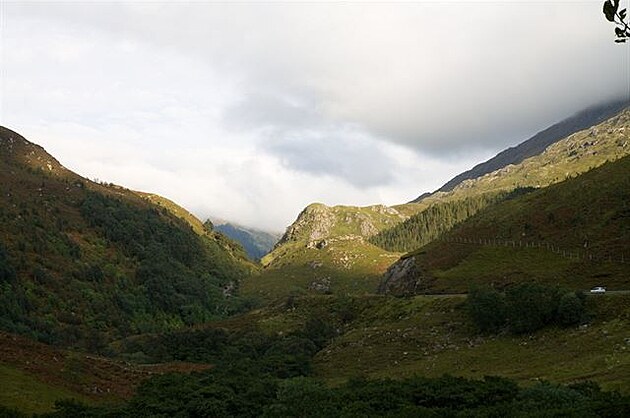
<point x="249" y="112"/>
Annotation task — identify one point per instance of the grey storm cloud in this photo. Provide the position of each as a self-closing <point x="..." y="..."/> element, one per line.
<point x="268" y="109"/>
<point x="436" y="77"/>
<point x="345" y="155"/>
<point x="280" y="104"/>
<point x="302" y="139"/>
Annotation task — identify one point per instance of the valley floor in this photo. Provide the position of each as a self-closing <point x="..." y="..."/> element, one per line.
<point x="432" y="337"/>
<point x="376" y="337"/>
<point x="386" y="337"/>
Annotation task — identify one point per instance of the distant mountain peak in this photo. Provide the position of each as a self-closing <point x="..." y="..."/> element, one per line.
<point x="18" y="150"/>
<point x="535" y="145"/>
<point x="256" y="243"/>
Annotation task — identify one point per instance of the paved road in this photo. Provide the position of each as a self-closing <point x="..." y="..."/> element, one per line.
<point x="586" y="292"/>
<point x="609" y="292"/>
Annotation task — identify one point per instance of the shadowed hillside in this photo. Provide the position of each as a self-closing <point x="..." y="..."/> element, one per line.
<point x="83" y="263"/>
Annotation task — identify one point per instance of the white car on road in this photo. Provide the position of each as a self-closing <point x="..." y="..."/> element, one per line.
<point x="598" y="289"/>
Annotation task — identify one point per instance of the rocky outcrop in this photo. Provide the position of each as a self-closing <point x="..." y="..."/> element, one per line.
<point x="312" y="224"/>
<point x="318" y="223"/>
<point x="403" y="278"/>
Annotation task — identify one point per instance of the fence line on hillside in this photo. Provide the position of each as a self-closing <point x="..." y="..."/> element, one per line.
<point x="573" y="254"/>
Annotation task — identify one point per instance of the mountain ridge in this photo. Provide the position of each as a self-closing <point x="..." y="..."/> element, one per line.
<point x="570" y="156"/>
<point x="257" y="243"/>
<point x="536" y="144"/>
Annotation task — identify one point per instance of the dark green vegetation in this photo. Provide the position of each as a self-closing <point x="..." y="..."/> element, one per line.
<point x="525" y="308"/>
<point x="264" y="365"/>
<point x="256" y="243"/>
<point x="424" y="227"/>
<point x="138" y="278"/>
<point x="217" y="394"/>
<point x="82" y="264"/>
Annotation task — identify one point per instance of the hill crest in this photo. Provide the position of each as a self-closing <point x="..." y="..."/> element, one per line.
<point x="537" y="144"/>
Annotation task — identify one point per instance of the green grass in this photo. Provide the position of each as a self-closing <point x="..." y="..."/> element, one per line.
<point x="590" y="209"/>
<point x="29" y="395"/>
<point x="352" y="267"/>
<point x="386" y="337"/>
<point x="502" y="266"/>
<point x="433" y="336"/>
<point x="576" y="154"/>
<point x="589" y="215"/>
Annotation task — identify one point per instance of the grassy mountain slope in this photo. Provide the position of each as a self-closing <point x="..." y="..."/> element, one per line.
<point x="232" y="246"/>
<point x="430" y="336"/>
<point x="538" y="143"/>
<point x="255" y="242"/>
<point x="385" y="337"/>
<point x="575" y="233"/>
<point x="568" y="157"/>
<point x="302" y="260"/>
<point x="326" y="250"/>
<point x="83" y="263"/>
<point x="575" y="154"/>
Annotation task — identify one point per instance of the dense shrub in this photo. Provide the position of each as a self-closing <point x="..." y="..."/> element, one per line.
<point x="218" y="393"/>
<point x="438" y="218"/>
<point x="530" y="307"/>
<point x="524" y="308"/>
<point x="7" y="272"/>
<point x="487" y="307"/>
<point x="571" y="309"/>
<point x="94" y="268"/>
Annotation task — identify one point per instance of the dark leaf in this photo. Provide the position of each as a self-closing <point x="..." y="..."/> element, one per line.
<point x="619" y="41"/>
<point x="622" y="14"/>
<point x="620" y="32"/>
<point x="609" y="11"/>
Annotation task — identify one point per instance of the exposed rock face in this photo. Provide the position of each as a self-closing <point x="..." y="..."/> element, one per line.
<point x="321" y="285"/>
<point x="402" y="278"/>
<point x="385" y="210"/>
<point x="367" y="228"/>
<point x="340" y="233"/>
<point x="313" y="223"/>
<point x="318" y="222"/>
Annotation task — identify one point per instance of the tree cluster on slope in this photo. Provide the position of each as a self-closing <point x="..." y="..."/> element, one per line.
<point x="438" y="218"/>
<point x="524" y="308"/>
